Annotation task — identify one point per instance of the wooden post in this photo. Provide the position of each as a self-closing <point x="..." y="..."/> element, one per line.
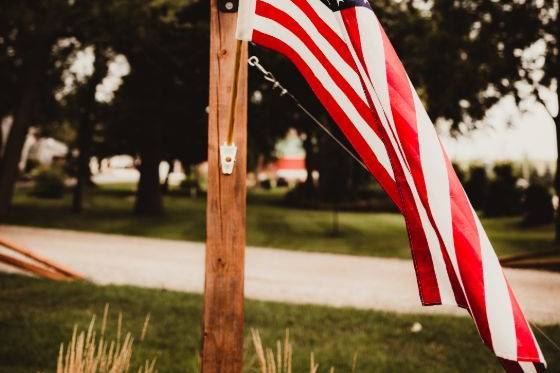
<point x="222" y="335"/>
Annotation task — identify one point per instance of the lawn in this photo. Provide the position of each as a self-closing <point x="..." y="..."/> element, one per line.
<point x="269" y="224"/>
<point x="37" y="315"/>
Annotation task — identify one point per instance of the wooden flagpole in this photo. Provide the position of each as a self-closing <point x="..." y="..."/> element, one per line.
<point x="222" y="335"/>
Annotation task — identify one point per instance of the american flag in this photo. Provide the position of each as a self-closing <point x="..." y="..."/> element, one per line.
<point x="341" y="49"/>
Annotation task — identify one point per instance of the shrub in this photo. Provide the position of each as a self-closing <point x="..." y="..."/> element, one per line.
<point x="537" y="206"/>
<point x="48" y="183"/>
<point x="504" y="197"/>
<point x="476" y="186"/>
<point x="190" y="187"/>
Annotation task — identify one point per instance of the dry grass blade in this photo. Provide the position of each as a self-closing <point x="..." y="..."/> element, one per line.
<point x="312" y="366"/>
<point x="104" y="322"/>
<point x="88" y="353"/>
<point x="145" y="328"/>
<point x="281" y="361"/>
<point x="259" y="350"/>
<point x="270" y="361"/>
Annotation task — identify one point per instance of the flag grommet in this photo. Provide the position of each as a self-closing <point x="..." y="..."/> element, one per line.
<point x="228" y="6"/>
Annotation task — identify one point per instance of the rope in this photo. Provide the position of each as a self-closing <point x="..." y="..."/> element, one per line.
<point x="233" y="102"/>
<point x="254" y="62"/>
<point x="549" y="339"/>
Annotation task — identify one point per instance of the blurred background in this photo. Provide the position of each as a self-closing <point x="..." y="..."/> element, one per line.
<point x="103" y="114"/>
<point x="104" y="108"/>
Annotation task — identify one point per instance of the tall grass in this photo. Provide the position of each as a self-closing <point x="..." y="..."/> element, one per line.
<point x="281" y="361"/>
<point x="87" y="352"/>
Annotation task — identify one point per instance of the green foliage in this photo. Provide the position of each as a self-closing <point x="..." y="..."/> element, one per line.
<point x="48" y="183"/>
<point x="477" y="46"/>
<point x="537" y="206"/>
<point x="36" y="315"/>
<point x="504" y="196"/>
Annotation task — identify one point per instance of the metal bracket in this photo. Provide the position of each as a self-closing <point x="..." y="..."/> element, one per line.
<point x="228" y="6"/>
<point x="228" y="152"/>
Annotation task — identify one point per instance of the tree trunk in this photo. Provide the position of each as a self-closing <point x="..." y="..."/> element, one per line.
<point x="556" y="67"/>
<point x="148" y="194"/>
<point x="165" y="184"/>
<point x="23" y="117"/>
<point x="87" y="101"/>
<point x="557" y="179"/>
<point x="1" y="136"/>
<point x="309" y="164"/>
<point x="85" y="132"/>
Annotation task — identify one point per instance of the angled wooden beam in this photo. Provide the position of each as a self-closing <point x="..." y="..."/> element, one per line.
<point x="40" y="259"/>
<point x="32" y="268"/>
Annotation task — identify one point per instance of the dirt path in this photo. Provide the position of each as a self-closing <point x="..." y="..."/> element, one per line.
<point x="276" y="275"/>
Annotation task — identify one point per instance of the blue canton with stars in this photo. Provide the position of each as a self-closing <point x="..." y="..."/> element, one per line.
<point x="336" y="5"/>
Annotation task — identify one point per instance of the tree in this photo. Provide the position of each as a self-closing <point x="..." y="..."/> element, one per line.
<point x="476" y="186"/>
<point x="87" y="107"/>
<point x="159" y="112"/>
<point x="27" y="47"/>
<point x="537" y="206"/>
<point x="31" y="42"/>
<point x="504" y="196"/>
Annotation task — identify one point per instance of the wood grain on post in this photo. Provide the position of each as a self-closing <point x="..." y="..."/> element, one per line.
<point x="222" y="335"/>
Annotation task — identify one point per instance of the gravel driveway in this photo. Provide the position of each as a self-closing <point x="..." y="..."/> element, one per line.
<point x="271" y="274"/>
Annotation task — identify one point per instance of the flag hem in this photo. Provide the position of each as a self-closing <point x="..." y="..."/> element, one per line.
<point x="245" y="12"/>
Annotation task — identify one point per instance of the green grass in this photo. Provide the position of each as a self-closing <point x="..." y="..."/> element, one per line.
<point x="109" y="210"/>
<point x="37" y="315"/>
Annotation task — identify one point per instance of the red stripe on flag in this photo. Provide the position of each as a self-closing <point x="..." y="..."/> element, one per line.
<point x="403" y="110"/>
<point x="467" y="249"/>
<point x="526" y="345"/>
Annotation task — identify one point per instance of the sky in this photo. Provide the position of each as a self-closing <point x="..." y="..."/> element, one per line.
<point x="507" y="134"/>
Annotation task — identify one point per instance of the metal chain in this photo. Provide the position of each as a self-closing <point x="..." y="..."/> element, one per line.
<point x="276" y="85"/>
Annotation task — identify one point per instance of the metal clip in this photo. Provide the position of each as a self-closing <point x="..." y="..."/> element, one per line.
<point x="267" y="75"/>
<point x="228" y="153"/>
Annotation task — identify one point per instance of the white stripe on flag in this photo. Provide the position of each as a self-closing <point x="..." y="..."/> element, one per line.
<point x="498" y="303"/>
<point x="434" y="169"/>
<point x="374" y="57"/>
<point x="527" y="367"/>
